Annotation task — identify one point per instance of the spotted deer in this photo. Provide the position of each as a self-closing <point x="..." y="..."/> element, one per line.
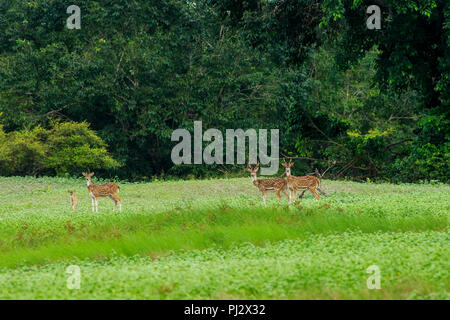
<point x="294" y="183"/>
<point x="319" y="177"/>
<point x="105" y="190"/>
<point x="276" y="184"/>
<point x="73" y="199"/>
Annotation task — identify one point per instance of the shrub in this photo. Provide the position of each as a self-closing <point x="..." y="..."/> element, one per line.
<point x="73" y="147"/>
<point x="68" y="147"/>
<point x="22" y="153"/>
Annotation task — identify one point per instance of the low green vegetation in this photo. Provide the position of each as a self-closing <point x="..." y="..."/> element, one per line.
<point x="333" y="266"/>
<point x="211" y="239"/>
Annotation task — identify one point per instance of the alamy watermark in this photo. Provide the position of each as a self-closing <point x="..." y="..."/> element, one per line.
<point x="182" y="153"/>
<point x="374" y="281"/>
<point x="374" y="20"/>
<point x="74" y="20"/>
<point x="74" y="279"/>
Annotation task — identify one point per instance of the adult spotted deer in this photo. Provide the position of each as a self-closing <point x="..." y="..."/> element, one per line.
<point x="276" y="184"/>
<point x="304" y="183"/>
<point x="319" y="177"/>
<point x="105" y="190"/>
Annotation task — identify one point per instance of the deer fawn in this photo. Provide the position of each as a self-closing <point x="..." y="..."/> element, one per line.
<point x="73" y="199"/>
<point x="106" y="190"/>
<point x="300" y="183"/>
<point x="277" y="184"/>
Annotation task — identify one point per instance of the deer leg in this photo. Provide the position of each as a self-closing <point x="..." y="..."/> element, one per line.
<point x="295" y="193"/>
<point x="285" y="193"/>
<point x="321" y="192"/>
<point x="120" y="202"/>
<point x="290" y="195"/>
<point x="264" y="196"/>
<point x="301" y="196"/>
<point x="115" y="202"/>
<point x="93" y="204"/>
<point x="96" y="205"/>
<point x="278" y="194"/>
<point x="313" y="190"/>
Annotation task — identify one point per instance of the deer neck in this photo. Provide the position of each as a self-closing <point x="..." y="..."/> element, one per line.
<point x="90" y="185"/>
<point x="255" y="180"/>
<point x="288" y="176"/>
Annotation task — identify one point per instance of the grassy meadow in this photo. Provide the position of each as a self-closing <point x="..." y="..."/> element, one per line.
<point x="214" y="239"/>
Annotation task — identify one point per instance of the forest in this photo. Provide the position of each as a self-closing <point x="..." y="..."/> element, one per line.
<point x="375" y="103"/>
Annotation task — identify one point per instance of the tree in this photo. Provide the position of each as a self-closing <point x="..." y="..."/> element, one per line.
<point x="414" y="55"/>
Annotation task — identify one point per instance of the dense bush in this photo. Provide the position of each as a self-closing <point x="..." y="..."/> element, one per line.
<point x="64" y="148"/>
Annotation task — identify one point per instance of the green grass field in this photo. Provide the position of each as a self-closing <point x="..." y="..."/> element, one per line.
<point x="214" y="239"/>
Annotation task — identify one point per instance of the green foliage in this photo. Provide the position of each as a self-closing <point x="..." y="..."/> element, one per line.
<point x="159" y="66"/>
<point x="67" y="147"/>
<point x="412" y="266"/>
<point x="414" y="56"/>
<point x="429" y="158"/>
<point x="73" y="147"/>
<point x="138" y="70"/>
<point x="22" y="153"/>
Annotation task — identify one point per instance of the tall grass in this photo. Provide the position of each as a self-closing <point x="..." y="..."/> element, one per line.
<point x="37" y="225"/>
<point x="195" y="221"/>
<point x="412" y="266"/>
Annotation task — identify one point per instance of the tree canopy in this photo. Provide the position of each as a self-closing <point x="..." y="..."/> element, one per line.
<point x="374" y="101"/>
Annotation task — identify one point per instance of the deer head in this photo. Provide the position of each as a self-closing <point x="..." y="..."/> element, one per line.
<point x="253" y="170"/>
<point x="287" y="166"/>
<point x="88" y="177"/>
<point x="71" y="192"/>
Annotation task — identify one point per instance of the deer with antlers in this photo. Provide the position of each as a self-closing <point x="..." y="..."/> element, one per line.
<point x="98" y="191"/>
<point x="276" y="184"/>
<point x="304" y="183"/>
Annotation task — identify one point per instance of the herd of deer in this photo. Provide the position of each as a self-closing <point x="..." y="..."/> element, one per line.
<point x="292" y="183"/>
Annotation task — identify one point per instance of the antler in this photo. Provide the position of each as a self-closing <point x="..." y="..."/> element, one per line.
<point x="321" y="175"/>
<point x="329" y="167"/>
